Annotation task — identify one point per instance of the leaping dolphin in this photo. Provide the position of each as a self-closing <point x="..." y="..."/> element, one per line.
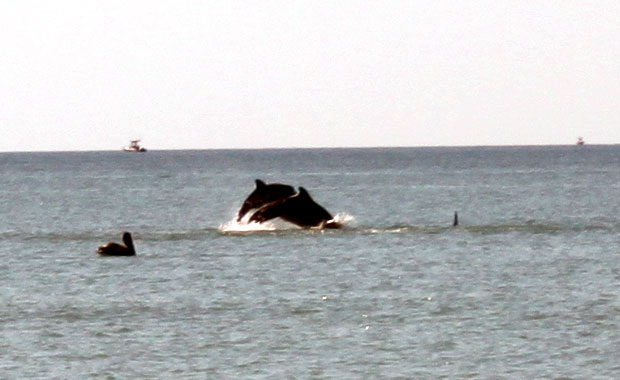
<point x="299" y="209"/>
<point x="264" y="194"/>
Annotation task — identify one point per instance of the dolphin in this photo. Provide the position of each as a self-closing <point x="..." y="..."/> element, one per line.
<point x="264" y="194"/>
<point x="299" y="209"/>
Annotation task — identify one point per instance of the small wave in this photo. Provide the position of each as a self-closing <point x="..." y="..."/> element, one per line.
<point x="350" y="226"/>
<point x="483" y="229"/>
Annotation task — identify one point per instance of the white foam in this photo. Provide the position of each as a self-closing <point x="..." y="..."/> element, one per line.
<point x="273" y="225"/>
<point x="243" y="226"/>
<point x="343" y="218"/>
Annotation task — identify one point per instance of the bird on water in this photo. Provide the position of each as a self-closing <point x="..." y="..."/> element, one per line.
<point x="115" y="249"/>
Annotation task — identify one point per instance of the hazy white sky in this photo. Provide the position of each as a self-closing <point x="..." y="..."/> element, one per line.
<point x="90" y="75"/>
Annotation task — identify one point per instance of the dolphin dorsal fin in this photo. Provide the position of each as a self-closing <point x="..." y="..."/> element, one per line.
<point x="303" y="193"/>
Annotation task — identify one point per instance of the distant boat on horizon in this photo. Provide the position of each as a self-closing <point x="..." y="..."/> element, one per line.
<point x="580" y="141"/>
<point x="134" y="147"/>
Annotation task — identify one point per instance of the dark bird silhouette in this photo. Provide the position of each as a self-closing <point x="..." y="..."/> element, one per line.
<point x="263" y="194"/>
<point x="299" y="209"/>
<point x="115" y="249"/>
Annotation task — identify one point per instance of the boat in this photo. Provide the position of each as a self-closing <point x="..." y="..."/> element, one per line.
<point x="580" y="141"/>
<point x="134" y="147"/>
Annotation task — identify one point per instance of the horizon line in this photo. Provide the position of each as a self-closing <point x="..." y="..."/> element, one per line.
<point x="312" y="148"/>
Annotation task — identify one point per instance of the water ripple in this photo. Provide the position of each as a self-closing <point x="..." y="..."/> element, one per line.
<point x="269" y="229"/>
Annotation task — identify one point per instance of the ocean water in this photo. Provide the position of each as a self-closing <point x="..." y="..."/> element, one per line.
<point x="526" y="287"/>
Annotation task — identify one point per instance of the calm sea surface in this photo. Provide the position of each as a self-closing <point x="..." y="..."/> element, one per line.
<point x="526" y="287"/>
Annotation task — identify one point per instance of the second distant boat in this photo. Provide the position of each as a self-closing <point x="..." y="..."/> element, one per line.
<point x="134" y="147"/>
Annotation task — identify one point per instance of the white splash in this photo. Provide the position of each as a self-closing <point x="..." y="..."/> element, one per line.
<point x="343" y="218"/>
<point x="245" y="225"/>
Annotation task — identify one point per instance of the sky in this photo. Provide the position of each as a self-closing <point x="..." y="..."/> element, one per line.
<point x="91" y="75"/>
